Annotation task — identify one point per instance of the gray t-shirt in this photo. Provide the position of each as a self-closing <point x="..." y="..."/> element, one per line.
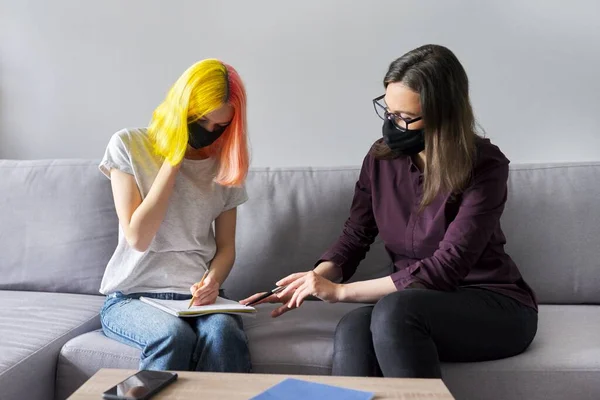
<point x="185" y="243"/>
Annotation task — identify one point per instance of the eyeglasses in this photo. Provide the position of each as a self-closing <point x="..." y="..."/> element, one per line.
<point x="399" y="121"/>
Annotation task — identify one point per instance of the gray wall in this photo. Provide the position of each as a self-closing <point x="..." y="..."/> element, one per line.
<point x="73" y="72"/>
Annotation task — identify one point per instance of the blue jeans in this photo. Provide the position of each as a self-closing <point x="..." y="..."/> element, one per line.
<point x="214" y="342"/>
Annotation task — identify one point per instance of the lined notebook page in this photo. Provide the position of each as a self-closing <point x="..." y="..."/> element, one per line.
<point x="180" y="307"/>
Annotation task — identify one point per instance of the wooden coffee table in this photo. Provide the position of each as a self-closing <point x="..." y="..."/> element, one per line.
<point x="205" y="385"/>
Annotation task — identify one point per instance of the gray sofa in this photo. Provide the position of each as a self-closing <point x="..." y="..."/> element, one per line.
<point x="58" y="229"/>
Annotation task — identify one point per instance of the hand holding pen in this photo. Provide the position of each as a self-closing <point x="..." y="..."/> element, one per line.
<point x="258" y="298"/>
<point x="204" y="292"/>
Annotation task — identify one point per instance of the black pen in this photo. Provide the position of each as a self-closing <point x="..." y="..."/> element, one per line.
<point x="264" y="296"/>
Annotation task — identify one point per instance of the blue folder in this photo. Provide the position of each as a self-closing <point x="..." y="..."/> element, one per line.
<point x="295" y="389"/>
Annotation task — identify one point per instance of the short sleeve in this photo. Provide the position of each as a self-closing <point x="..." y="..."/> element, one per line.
<point x="236" y="196"/>
<point x="117" y="155"/>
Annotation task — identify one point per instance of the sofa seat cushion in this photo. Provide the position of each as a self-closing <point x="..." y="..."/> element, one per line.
<point x="83" y="356"/>
<point x="566" y="350"/>
<point x="563" y="362"/>
<point x="34" y="326"/>
<point x="298" y="342"/>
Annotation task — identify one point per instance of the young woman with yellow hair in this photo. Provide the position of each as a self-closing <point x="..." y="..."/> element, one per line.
<point x="171" y="182"/>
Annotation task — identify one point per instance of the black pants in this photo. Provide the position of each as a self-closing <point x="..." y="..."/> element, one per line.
<point x="407" y="333"/>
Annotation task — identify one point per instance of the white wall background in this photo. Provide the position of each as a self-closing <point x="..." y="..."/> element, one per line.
<point x="73" y="72"/>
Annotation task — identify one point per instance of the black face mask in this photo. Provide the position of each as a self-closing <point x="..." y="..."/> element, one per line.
<point x="200" y="137"/>
<point x="403" y="142"/>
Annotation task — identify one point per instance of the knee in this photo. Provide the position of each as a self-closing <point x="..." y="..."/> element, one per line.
<point x="179" y="335"/>
<point x="223" y="329"/>
<point x="225" y="348"/>
<point x="398" y="311"/>
<point x="353" y="324"/>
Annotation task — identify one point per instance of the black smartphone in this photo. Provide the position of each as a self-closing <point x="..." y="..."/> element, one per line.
<point x="140" y="386"/>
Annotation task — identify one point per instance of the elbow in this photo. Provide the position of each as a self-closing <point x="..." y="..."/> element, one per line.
<point x="226" y="254"/>
<point x="139" y="247"/>
<point x="137" y="243"/>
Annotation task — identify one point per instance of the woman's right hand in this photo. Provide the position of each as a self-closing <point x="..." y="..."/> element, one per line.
<point x="285" y="299"/>
<point x="140" y="219"/>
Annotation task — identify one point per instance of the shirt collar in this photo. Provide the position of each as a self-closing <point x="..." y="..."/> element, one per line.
<point x="412" y="167"/>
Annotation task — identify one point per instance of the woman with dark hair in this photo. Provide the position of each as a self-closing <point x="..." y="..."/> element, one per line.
<point x="434" y="191"/>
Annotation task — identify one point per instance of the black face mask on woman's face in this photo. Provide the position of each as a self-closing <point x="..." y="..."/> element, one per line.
<point x="199" y="137"/>
<point x="403" y="141"/>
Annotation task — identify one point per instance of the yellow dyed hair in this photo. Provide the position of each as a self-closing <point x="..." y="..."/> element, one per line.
<point x="201" y="89"/>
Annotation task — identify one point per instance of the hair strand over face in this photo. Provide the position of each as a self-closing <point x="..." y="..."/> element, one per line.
<point x="438" y="77"/>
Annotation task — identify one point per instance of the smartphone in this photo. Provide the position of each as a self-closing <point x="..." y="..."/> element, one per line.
<point x="140" y="386"/>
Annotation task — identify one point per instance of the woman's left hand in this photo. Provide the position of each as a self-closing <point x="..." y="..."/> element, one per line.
<point x="305" y="284"/>
<point x="206" y="293"/>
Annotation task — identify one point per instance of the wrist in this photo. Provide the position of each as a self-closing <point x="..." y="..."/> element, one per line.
<point x="215" y="278"/>
<point x="341" y="292"/>
<point x="415" y="285"/>
<point x="170" y="167"/>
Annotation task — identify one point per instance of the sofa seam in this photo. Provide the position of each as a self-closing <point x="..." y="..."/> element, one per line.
<point x="83" y="164"/>
<point x="534" y="370"/>
<point x="91" y="351"/>
<point x="524" y="167"/>
<point x="514" y="167"/>
<point x="495" y="371"/>
<point x="519" y="167"/>
<point x="293" y="365"/>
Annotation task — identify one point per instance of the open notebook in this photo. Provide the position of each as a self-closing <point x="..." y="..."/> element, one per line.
<point x="179" y="308"/>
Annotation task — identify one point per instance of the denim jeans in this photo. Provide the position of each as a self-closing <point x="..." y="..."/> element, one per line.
<point x="214" y="342"/>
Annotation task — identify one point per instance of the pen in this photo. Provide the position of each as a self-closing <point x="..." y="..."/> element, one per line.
<point x="264" y="296"/>
<point x="201" y="282"/>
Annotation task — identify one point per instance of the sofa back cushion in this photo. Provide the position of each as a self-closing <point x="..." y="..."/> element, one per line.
<point x="290" y="220"/>
<point x="58" y="226"/>
<point x="552" y="225"/>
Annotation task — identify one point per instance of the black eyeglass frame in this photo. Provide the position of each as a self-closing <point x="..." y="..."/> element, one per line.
<point x="394" y="117"/>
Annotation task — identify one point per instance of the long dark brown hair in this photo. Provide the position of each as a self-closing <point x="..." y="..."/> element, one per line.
<point x="435" y="73"/>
